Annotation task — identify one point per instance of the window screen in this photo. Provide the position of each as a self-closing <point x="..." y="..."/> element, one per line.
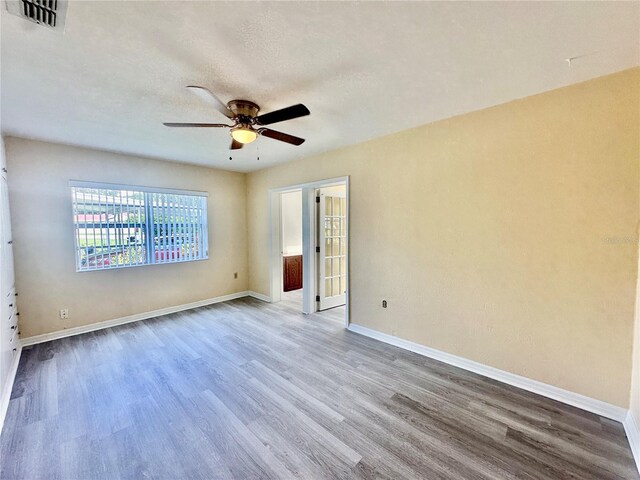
<point x="125" y="226"/>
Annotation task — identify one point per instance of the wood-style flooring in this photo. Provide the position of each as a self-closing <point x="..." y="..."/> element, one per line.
<point x="250" y="390"/>
<point x="293" y="300"/>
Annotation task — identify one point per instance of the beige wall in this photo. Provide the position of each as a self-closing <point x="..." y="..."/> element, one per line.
<point x="634" y="402"/>
<point x="44" y="247"/>
<point x="488" y="233"/>
<point x="291" y="219"/>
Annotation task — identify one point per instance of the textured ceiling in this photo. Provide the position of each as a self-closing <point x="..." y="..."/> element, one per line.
<point x="363" y="69"/>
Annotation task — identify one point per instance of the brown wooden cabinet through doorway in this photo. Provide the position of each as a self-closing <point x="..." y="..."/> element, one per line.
<point x="292" y="272"/>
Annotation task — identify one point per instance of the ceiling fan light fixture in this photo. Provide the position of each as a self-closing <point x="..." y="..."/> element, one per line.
<point x="244" y="115"/>
<point x="243" y="134"/>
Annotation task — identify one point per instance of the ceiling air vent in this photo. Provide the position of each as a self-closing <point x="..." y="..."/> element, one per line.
<point x="50" y="13"/>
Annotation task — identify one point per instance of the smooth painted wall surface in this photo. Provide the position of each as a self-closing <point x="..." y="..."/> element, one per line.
<point x="44" y="246"/>
<point x="634" y="401"/>
<point x="498" y="236"/>
<point x="291" y="208"/>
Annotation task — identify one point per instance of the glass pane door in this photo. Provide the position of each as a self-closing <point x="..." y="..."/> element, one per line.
<point x="333" y="247"/>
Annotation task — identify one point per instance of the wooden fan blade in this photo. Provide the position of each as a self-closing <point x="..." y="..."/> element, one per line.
<point x="235" y="145"/>
<point x="283" y="137"/>
<point x="208" y="96"/>
<point x="206" y="125"/>
<point x="288" y="113"/>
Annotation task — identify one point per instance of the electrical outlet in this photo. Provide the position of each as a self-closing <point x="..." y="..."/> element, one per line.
<point x="235" y="275"/>
<point x="64" y="313"/>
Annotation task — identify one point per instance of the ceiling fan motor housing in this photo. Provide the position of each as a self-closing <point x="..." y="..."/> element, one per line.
<point x="244" y="109"/>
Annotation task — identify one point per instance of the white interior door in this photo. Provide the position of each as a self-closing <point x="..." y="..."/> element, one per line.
<point x="332" y="240"/>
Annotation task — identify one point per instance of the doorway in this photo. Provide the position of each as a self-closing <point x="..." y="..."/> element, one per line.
<point x="322" y="209"/>
<point x="292" y="258"/>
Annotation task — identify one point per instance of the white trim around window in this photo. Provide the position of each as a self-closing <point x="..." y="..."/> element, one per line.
<point x="138" y="188"/>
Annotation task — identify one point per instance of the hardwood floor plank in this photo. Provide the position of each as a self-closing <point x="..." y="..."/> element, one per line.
<point x="307" y="455"/>
<point x="341" y="450"/>
<point x="289" y="447"/>
<point x="272" y="466"/>
<point x="293" y="393"/>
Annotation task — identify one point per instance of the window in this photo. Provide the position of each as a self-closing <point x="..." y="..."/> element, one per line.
<point x="126" y="226"/>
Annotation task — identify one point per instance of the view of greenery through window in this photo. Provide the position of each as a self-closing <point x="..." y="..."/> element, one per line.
<point x="115" y="228"/>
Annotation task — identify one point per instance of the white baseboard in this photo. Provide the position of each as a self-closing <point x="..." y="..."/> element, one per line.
<point x="575" y="399"/>
<point x="8" y="386"/>
<point x="632" y="427"/>
<point x="259" y="296"/>
<point x="69" y="332"/>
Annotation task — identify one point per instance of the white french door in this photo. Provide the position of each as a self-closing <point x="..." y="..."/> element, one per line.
<point x="332" y="240"/>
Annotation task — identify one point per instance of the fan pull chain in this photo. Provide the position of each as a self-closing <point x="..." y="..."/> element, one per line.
<point x="257" y="152"/>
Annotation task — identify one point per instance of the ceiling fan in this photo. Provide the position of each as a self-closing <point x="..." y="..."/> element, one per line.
<point x="244" y="115"/>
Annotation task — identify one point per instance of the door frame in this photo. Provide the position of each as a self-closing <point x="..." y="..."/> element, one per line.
<point x="309" y="237"/>
<point x="276" y="244"/>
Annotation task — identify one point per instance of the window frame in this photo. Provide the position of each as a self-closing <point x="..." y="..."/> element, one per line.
<point x="148" y="226"/>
